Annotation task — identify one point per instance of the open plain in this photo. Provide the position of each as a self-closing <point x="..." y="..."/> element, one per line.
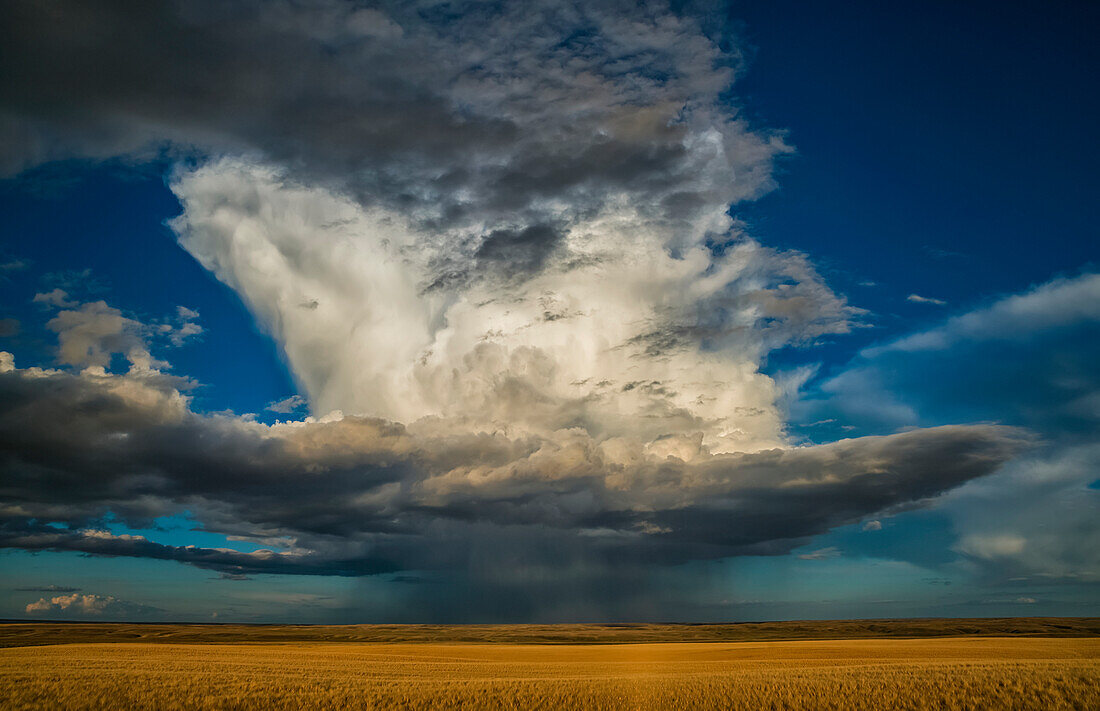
<point x="547" y="667"/>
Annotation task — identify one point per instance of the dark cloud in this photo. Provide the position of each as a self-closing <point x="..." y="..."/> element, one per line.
<point x="48" y="588"/>
<point x="518" y="251"/>
<point x="361" y="496"/>
<point x="29" y="536"/>
<point x="450" y="111"/>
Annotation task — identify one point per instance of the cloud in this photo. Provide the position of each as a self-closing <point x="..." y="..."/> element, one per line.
<point x="358" y="496"/>
<point x="873" y="525"/>
<point x="232" y="563"/>
<point x="507" y="213"/>
<point x="458" y="115"/>
<point x="88" y="336"/>
<point x="610" y="332"/>
<point x="98" y="606"/>
<point x="1030" y="360"/>
<point x="1061" y="303"/>
<point x="821" y="554"/>
<point x="494" y="242"/>
<point x="1034" y="520"/>
<point x="918" y="299"/>
<point x="48" y="588"/>
<point x="58" y="298"/>
<point x="287" y="405"/>
<point x="185" y="327"/>
<point x="1050" y="332"/>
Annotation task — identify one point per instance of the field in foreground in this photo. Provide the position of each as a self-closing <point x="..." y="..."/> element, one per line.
<point x="946" y="673"/>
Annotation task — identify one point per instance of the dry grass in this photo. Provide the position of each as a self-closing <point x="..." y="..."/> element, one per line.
<point x="950" y="673"/>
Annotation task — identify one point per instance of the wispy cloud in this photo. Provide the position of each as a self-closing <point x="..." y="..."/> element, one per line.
<point x="287" y="405"/>
<point x="918" y="299"/>
<point x="821" y="554"/>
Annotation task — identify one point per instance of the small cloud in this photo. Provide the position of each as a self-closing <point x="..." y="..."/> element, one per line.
<point x="187" y="330"/>
<point x="58" y="298"/>
<point x="89" y="605"/>
<point x="821" y="554"/>
<point x="310" y="305"/>
<point x="918" y="299"/>
<point x="936" y="581"/>
<point x="48" y="589"/>
<point x="9" y="327"/>
<point x="992" y="546"/>
<point x="287" y="406"/>
<point x="13" y="265"/>
<point x="868" y="283"/>
<point x="186" y="327"/>
<point x="872" y="526"/>
<point x="372" y="23"/>
<point x="650" y="528"/>
<point x="232" y="576"/>
<point x="1026" y="600"/>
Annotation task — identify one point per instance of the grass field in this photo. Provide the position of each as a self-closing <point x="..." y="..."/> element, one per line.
<point x="944" y="673"/>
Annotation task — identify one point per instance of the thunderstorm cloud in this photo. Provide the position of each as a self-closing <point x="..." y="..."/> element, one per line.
<point x="494" y="243"/>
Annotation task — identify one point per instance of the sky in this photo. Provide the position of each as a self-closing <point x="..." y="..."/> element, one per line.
<point x="345" y="312"/>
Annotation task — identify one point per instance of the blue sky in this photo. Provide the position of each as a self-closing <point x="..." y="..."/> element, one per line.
<point x="908" y="291"/>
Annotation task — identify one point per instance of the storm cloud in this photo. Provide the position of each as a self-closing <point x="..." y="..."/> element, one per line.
<point x="356" y="496"/>
<point x="495" y="244"/>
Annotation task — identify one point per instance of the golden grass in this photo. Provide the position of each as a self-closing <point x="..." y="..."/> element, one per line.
<point x="946" y="673"/>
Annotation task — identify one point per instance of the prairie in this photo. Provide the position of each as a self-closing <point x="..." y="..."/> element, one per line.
<point x="943" y="673"/>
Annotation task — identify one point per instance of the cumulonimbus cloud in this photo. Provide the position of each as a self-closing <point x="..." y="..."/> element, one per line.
<point x="355" y="496"/>
<point x="494" y="241"/>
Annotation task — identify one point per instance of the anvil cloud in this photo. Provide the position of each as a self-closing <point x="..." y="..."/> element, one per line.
<point x="494" y="243"/>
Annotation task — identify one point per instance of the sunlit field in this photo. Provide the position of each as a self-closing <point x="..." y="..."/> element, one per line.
<point x="942" y="673"/>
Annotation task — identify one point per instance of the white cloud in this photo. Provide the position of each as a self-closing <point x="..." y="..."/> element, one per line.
<point x="186" y="314"/>
<point x="874" y="525"/>
<point x="613" y="333"/>
<point x="991" y="546"/>
<point x="58" y="298"/>
<point x="918" y="299"/>
<point x="185" y="327"/>
<point x="821" y="554"/>
<point x="1052" y="305"/>
<point x="90" y="335"/>
<point x="287" y="405"/>
<point x="78" y="604"/>
<point x="333" y="492"/>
